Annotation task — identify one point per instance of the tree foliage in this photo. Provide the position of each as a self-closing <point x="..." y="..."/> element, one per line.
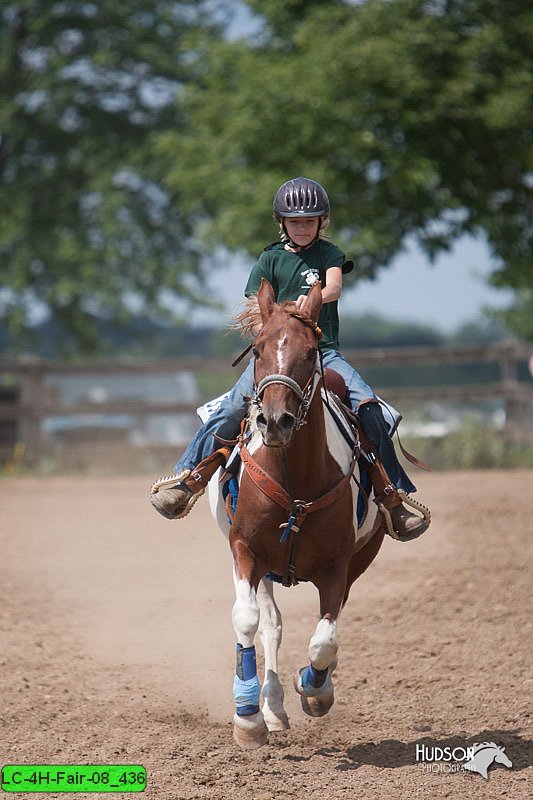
<point x="415" y="114"/>
<point x="518" y="318"/>
<point x="85" y="224"/>
<point x="136" y="137"/>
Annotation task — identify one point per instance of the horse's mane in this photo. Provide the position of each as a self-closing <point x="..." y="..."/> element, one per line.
<point x="249" y="322"/>
<point x="484" y="746"/>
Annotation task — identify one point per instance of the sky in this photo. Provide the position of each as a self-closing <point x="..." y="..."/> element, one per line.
<point x="445" y="294"/>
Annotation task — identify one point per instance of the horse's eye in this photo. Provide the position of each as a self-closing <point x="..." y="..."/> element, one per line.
<point x="255" y="352"/>
<point x="311" y="354"/>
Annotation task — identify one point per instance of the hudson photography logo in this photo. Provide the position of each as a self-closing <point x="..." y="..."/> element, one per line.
<point x="475" y="758"/>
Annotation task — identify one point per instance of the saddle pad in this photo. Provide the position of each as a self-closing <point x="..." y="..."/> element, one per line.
<point x="209" y="408"/>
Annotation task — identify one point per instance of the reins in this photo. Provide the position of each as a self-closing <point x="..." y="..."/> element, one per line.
<point x="241" y="355"/>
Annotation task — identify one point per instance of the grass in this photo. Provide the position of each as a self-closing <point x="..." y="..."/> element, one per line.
<point x="475" y="445"/>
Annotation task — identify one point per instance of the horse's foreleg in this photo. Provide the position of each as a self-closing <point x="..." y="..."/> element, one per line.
<point x="270" y="631"/>
<point x="249" y="728"/>
<point x="313" y="683"/>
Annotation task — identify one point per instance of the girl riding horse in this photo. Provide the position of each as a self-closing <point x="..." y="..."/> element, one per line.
<point x="292" y="266"/>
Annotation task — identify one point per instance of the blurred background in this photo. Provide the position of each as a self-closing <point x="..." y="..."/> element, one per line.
<point x="141" y="144"/>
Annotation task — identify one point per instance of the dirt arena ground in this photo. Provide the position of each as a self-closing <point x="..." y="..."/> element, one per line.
<point x="117" y="647"/>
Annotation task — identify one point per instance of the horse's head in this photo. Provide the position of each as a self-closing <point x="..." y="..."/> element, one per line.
<point x="285" y="354"/>
<point x="484" y="754"/>
<point x="502" y="757"/>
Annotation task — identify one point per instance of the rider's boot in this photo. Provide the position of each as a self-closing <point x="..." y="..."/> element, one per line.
<point x="399" y="522"/>
<point x="174" y="496"/>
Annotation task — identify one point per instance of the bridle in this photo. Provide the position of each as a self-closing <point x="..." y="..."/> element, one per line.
<point x="304" y="395"/>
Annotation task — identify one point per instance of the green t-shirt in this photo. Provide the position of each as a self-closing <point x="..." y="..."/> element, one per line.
<point x="293" y="274"/>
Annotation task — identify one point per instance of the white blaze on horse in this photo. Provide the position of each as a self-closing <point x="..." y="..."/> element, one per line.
<point x="294" y="516"/>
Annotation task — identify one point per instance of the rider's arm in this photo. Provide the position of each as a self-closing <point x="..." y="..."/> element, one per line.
<point x="331" y="291"/>
<point x="333" y="288"/>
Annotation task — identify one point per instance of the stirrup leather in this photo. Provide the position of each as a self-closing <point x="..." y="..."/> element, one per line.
<point x="408" y="501"/>
<point x="172" y="482"/>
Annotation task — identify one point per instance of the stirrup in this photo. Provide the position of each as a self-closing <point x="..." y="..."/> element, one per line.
<point x="173" y="482"/>
<point x="408" y="501"/>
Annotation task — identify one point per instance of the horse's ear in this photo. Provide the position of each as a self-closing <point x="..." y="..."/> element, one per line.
<point x="265" y="299"/>
<point x="313" y="302"/>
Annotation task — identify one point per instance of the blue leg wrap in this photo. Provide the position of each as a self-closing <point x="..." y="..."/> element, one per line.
<point x="312" y="678"/>
<point x="246" y="686"/>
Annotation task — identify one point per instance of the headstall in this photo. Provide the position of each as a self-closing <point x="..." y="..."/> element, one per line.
<point x="304" y="395"/>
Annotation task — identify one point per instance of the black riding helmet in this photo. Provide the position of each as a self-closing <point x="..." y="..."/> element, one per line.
<point x="300" y="197"/>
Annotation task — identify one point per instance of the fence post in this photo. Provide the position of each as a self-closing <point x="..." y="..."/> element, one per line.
<point x="31" y="393"/>
<point x="509" y="377"/>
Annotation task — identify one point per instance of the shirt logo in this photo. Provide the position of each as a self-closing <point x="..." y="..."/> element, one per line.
<point x="311" y="276"/>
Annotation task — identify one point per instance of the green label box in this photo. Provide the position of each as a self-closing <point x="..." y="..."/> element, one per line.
<point x="69" y="778"/>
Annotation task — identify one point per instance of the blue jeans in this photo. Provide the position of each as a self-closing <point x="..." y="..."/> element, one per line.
<point x="371" y="418"/>
<point x="358" y="390"/>
<point x="227" y="419"/>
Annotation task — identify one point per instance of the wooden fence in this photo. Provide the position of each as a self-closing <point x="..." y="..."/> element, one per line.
<point x="23" y="408"/>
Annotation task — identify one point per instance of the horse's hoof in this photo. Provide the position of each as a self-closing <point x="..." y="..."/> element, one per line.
<point x="319" y="701"/>
<point x="250" y="732"/>
<point x="317" y="706"/>
<point x="276" y="721"/>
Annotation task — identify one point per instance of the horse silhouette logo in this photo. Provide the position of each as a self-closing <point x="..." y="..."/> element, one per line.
<point x="483" y="755"/>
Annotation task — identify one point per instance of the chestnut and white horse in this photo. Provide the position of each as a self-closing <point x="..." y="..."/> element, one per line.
<point x="294" y="517"/>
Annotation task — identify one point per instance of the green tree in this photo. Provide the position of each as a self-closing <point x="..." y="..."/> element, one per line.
<point x="86" y="226"/>
<point x="415" y="114"/>
<point x="518" y="318"/>
<point x="135" y="138"/>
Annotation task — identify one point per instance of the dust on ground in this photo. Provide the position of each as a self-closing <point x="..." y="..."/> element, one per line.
<point x="117" y="647"/>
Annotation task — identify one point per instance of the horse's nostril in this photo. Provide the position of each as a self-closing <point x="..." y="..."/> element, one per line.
<point x="261" y="421"/>
<point x="286" y="422"/>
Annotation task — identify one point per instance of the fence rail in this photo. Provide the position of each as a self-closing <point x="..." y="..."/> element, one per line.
<point x="25" y="410"/>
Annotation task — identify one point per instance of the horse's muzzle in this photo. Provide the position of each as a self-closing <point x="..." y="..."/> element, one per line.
<point x="276" y="430"/>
